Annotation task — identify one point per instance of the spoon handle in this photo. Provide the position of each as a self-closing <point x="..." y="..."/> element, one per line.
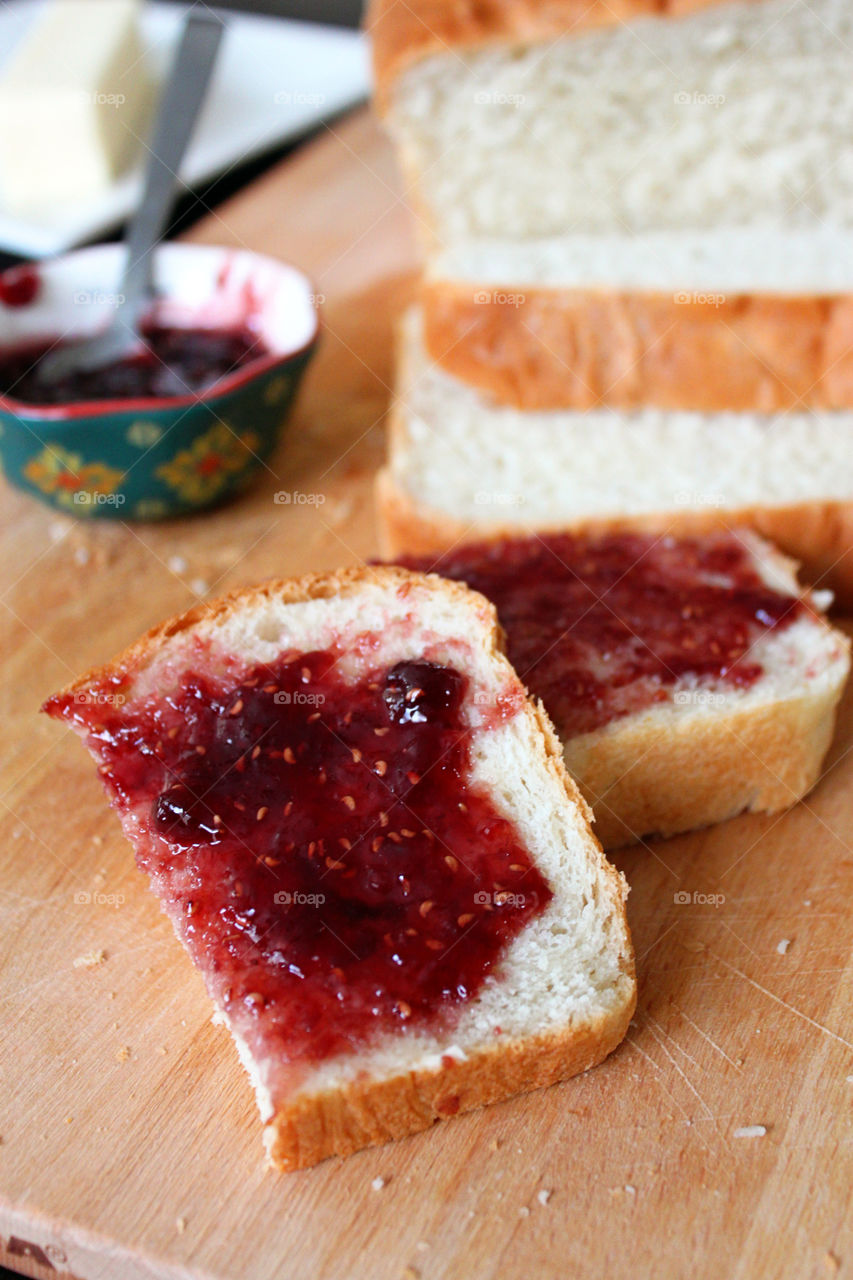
<point x="176" y="116"/>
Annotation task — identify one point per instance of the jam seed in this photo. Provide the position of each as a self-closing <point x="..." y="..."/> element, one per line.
<point x="404" y="1009"/>
<point x="377" y="843"/>
<point x="451" y="861"/>
<point x="334" y="865"/>
<point x="306" y="675"/>
<point x="200" y="750"/>
<point x="255" y="998"/>
<point x="407" y="832"/>
<point x="356" y="755"/>
<point x="380" y="733"/>
<point x="256" y="751"/>
<point x="349" y="801"/>
<point x="434" y="944"/>
<point x="381" y="767"/>
<point x="383" y="819"/>
<point x="425" y="908"/>
<point x="393" y="835"/>
<point x="413" y="777"/>
<point x="270" y="688"/>
<point x="173" y="732"/>
<point x="315" y="715"/>
<point x="345" y="844"/>
<point x="289" y="756"/>
<point x="272" y="862"/>
<point x="465" y="919"/>
<point x="237" y="708"/>
<point x="217" y="821"/>
<point x="288" y="809"/>
<point x="262" y="813"/>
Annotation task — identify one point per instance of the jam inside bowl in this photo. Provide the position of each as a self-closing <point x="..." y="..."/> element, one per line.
<point x="180" y="427"/>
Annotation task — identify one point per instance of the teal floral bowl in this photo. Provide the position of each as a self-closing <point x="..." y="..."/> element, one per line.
<point x="151" y="458"/>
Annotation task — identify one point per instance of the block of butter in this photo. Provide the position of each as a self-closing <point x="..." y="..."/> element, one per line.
<point x="74" y="103"/>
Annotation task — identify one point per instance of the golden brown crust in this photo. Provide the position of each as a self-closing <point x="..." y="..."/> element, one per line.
<point x="577" y="349"/>
<point x="662" y="775"/>
<point x="819" y="535"/>
<point x="403" y="33"/>
<point x="367" y="1113"/>
<point x="310" y="1128"/>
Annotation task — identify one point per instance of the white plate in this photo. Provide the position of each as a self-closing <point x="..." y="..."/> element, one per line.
<point x="275" y="79"/>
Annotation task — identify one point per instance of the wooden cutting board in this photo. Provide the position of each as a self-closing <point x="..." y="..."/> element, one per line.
<point x="130" y="1144"/>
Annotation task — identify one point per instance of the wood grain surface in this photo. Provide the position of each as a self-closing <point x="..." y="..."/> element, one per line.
<point x="130" y="1143"/>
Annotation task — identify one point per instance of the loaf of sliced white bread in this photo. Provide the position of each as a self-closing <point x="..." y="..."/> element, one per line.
<point x="689" y="679"/>
<point x="632" y="204"/>
<point x="561" y="991"/>
<point x="461" y="466"/>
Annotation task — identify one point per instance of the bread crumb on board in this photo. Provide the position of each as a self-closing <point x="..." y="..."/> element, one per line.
<point x="378" y="1183"/>
<point x="750" y="1131"/>
<point x="544" y="1196"/>
<point x="90" y="959"/>
<point x="180" y="1225"/>
<point x="782" y="946"/>
<point x="123" y="1053"/>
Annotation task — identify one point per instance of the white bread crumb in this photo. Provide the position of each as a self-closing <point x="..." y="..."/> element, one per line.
<point x="750" y="1131"/>
<point x="543" y="1196"/>
<point x="783" y="945"/>
<point x="377" y="1184"/>
<point x="90" y="959"/>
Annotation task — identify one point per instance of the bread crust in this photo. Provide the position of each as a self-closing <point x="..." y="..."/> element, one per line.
<point x="818" y="535"/>
<point x="402" y="34"/>
<point x="661" y="775"/>
<point x="367" y="1113"/>
<point x="555" y="348"/>
<point x="310" y="1127"/>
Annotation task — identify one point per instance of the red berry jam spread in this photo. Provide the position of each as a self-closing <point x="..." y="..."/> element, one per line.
<point x="170" y="362"/>
<point x="325" y="857"/>
<point x="602" y="628"/>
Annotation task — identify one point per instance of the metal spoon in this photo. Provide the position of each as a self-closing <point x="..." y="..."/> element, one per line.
<point x="176" y="115"/>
